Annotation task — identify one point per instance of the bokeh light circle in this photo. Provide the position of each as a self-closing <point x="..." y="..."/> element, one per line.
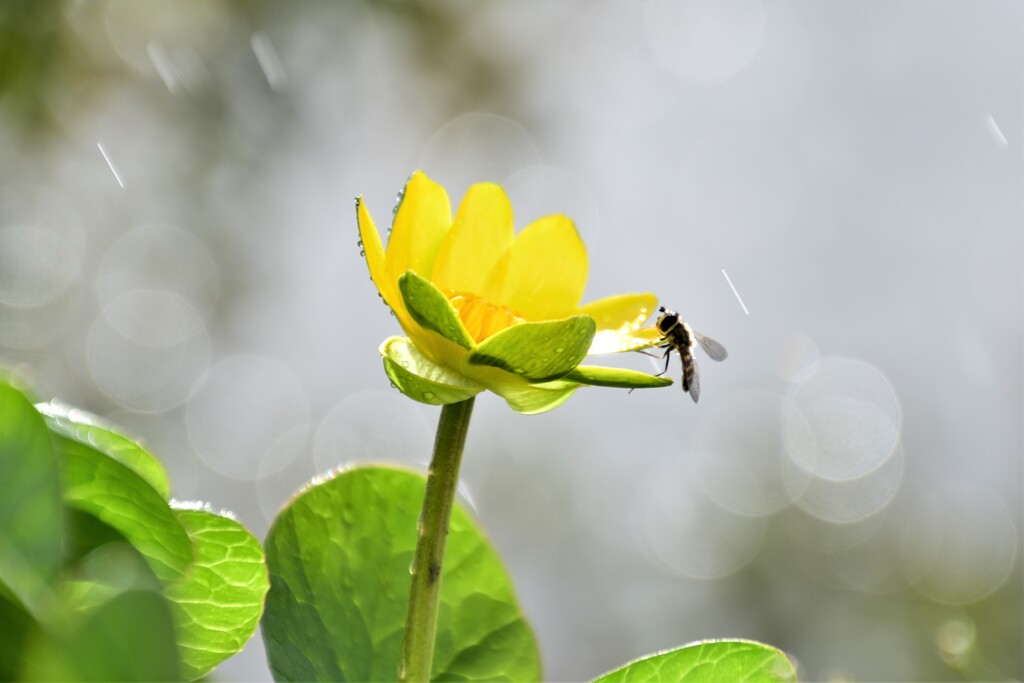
<point x="741" y="457"/>
<point x="609" y="71"/>
<point x="146" y="349"/>
<point x="705" y="41"/>
<point x="843" y="421"/>
<point x="248" y="417"/>
<point x="538" y="191"/>
<point x="685" y="533"/>
<point x="160" y="257"/>
<point x="477" y="147"/>
<point x="847" y="500"/>
<point x="373" y="426"/>
<point x="960" y="544"/>
<point x="42" y="246"/>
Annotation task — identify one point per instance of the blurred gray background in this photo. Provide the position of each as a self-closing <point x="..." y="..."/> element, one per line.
<point x="178" y="253"/>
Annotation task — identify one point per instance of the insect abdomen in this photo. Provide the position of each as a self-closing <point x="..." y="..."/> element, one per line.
<point x="688" y="368"/>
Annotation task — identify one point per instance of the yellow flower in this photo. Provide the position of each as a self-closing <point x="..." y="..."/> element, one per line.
<point x="486" y="309"/>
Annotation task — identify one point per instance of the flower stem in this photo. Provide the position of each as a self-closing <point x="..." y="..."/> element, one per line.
<point x="425" y="590"/>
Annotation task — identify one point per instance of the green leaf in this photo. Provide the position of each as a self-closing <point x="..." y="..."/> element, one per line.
<point x="539" y="352"/>
<point x="537" y="398"/>
<point x="30" y="501"/>
<point x="421" y="379"/>
<point x="129" y="638"/>
<point x="432" y="310"/>
<point x="599" y="376"/>
<point x="218" y="603"/>
<point x="88" y="429"/>
<point x="339" y="558"/>
<point x="117" y="496"/>
<point x="709" y="661"/>
<point x="16" y="625"/>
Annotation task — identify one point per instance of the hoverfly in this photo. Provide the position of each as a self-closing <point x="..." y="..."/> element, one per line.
<point x="676" y="334"/>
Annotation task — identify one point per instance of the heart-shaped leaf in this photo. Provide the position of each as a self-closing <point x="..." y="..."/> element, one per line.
<point x="710" y="661"/>
<point x="129" y="638"/>
<point x="117" y="496"/>
<point x="218" y="603"/>
<point x="30" y="501"/>
<point x="339" y="558"/>
<point x="88" y="429"/>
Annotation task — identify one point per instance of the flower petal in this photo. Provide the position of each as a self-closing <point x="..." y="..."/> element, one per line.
<point x="479" y="236"/>
<point x="623" y="310"/>
<point x="432" y="310"/>
<point x="614" y="341"/>
<point x="374" y="252"/>
<point x="543" y="274"/>
<point x="421" y="221"/>
<point x="421" y="379"/>
<point x="531" y="400"/>
<point x="599" y="376"/>
<point x="538" y="352"/>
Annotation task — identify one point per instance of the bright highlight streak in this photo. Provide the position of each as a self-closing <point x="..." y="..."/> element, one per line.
<point x="734" y="291"/>
<point x="993" y="128"/>
<point x="271" y="64"/>
<point x="111" y="165"/>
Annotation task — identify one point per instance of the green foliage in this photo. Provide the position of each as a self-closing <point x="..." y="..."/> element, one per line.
<point x="219" y="602"/>
<point x="432" y="310"/>
<point x="539" y="352"/>
<point x="100" y="579"/>
<point x="30" y="501"/>
<point x="420" y="379"/>
<point x="339" y="558"/>
<point x="710" y="661"/>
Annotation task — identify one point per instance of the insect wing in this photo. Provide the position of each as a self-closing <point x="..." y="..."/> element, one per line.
<point x="714" y="350"/>
<point x="694" y="377"/>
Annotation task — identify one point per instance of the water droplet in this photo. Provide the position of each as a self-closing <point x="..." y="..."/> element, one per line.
<point x="359" y="243"/>
<point x="429" y="395"/>
<point x="412" y="568"/>
<point x="560" y="349"/>
<point x="519" y="371"/>
<point x="394" y="386"/>
<point x="362" y="252"/>
<point x="405" y="364"/>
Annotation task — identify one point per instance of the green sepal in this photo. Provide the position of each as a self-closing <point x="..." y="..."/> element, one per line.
<point x="708" y="661"/>
<point x="421" y="379"/>
<point x="90" y="430"/>
<point x="432" y="310"/>
<point x="599" y="376"/>
<point x="537" y="398"/>
<point x="538" y="352"/>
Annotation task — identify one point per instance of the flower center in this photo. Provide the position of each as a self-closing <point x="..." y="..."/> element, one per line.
<point x="482" y="318"/>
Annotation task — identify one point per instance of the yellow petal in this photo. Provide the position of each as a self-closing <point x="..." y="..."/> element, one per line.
<point x="623" y="311"/>
<point x="374" y="253"/>
<point x="618" y="318"/>
<point x="421" y="222"/>
<point x="543" y="273"/>
<point x="478" y="238"/>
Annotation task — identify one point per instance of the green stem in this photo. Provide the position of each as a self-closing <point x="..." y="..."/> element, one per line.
<point x="425" y="591"/>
